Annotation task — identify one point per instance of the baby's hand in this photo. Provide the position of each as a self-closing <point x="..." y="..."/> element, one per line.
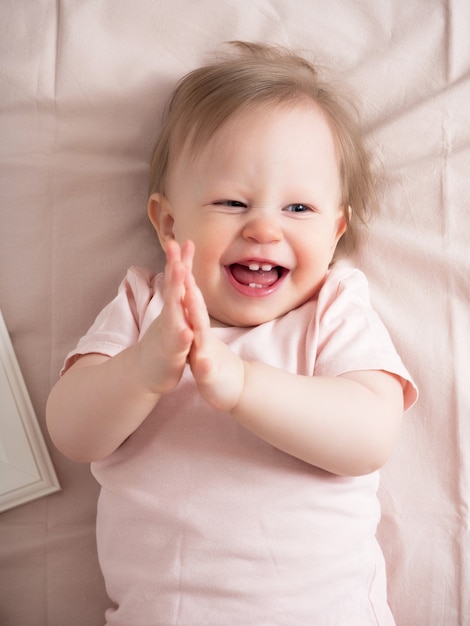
<point x="164" y="349"/>
<point x="217" y="370"/>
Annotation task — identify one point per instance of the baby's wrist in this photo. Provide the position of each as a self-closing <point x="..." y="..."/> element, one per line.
<point x="148" y="383"/>
<point x="237" y="408"/>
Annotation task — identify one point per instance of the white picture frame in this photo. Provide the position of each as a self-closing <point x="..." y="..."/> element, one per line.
<point x="26" y="470"/>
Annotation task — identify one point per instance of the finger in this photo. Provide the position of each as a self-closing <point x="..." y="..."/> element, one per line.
<point x="174" y="290"/>
<point x="203" y="368"/>
<point x="172" y="251"/>
<point x="195" y="306"/>
<point x="187" y="254"/>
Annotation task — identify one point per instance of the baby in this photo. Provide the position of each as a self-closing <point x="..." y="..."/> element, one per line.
<point x="237" y="408"/>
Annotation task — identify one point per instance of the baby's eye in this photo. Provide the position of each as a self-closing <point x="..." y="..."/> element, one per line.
<point x="231" y="203"/>
<point x="297" y="208"/>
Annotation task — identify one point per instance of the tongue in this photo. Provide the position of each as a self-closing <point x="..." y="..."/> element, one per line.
<point x="245" y="276"/>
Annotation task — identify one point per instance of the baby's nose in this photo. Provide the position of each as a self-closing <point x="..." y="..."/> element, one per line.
<point x="263" y="228"/>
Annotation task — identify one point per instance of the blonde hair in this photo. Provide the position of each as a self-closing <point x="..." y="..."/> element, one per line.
<point x="207" y="97"/>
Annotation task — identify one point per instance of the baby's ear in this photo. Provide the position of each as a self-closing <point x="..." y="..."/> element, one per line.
<point x="161" y="215"/>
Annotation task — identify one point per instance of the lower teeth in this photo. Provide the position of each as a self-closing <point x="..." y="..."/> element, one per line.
<point x="255" y="286"/>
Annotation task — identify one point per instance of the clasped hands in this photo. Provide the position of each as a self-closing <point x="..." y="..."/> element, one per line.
<point x="182" y="334"/>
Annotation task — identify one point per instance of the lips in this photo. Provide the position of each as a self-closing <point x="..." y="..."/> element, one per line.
<point x="256" y="277"/>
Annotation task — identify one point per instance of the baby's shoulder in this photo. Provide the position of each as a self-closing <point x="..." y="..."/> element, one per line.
<point x="141" y="290"/>
<point x="142" y="280"/>
<point x="344" y="280"/>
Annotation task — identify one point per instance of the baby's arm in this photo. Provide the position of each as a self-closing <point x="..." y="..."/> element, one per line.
<point x="346" y="425"/>
<point x="100" y="401"/>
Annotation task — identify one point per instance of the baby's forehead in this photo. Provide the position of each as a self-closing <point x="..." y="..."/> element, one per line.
<point x="201" y="135"/>
<point x="262" y="139"/>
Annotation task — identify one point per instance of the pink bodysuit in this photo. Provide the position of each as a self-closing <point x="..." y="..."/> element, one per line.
<point x="201" y="523"/>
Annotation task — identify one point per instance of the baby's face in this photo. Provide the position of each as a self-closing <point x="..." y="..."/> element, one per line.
<point x="262" y="204"/>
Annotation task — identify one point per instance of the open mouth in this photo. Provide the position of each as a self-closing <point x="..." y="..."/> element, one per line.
<point x="254" y="275"/>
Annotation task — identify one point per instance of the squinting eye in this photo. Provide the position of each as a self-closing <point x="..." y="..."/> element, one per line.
<point x="231" y="203"/>
<point x="297" y="208"/>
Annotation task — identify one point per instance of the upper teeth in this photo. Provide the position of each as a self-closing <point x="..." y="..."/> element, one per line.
<point x="266" y="267"/>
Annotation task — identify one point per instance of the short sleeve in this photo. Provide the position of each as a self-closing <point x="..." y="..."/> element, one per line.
<point x="119" y="324"/>
<point x="351" y="336"/>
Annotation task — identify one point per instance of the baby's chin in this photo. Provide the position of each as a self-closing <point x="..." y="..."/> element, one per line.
<point x="247" y="320"/>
